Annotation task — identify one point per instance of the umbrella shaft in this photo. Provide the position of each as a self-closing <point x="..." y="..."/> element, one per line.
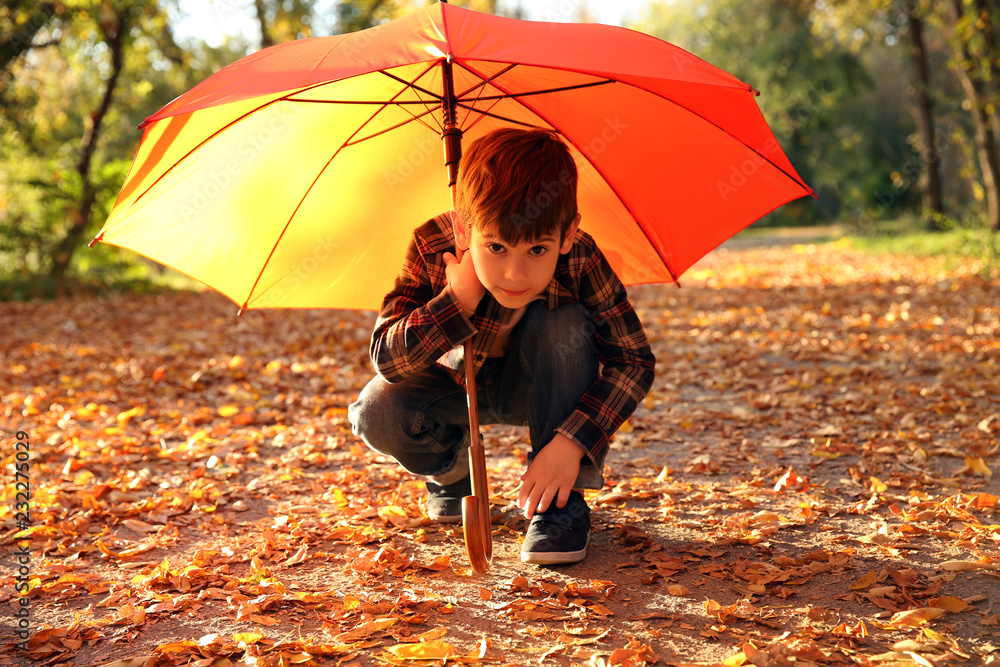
<point x="451" y="134"/>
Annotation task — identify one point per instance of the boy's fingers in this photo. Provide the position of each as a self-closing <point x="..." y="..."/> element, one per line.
<point x="546" y="500"/>
<point x="522" y="496"/>
<point x="449" y="258"/>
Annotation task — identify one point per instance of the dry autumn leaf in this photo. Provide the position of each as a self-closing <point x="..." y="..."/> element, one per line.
<point x="916" y="617"/>
<point x="193" y="473"/>
<point x="978" y="466"/>
<point x="864" y="582"/>
<point x="966" y="565"/>
<point x="423" y="651"/>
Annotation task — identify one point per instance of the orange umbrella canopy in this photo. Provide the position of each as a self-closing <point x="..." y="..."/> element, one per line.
<point x="294" y="177"/>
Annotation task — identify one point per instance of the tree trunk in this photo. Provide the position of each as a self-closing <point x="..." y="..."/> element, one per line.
<point x="20" y="40"/>
<point x="977" y="96"/>
<point x="930" y="159"/>
<point x="266" y="38"/>
<point x="63" y="253"/>
<point x="988" y="11"/>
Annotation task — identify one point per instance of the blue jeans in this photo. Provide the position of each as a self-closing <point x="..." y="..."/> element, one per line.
<point x="423" y="421"/>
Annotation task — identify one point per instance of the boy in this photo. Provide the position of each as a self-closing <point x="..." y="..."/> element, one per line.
<point x="510" y="268"/>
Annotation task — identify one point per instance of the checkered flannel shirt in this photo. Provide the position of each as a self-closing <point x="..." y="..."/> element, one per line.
<point x="421" y="324"/>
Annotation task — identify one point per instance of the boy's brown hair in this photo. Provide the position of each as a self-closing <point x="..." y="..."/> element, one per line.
<point x="517" y="185"/>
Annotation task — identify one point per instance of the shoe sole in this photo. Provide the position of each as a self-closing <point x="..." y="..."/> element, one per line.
<point x="445" y="519"/>
<point x="555" y="557"/>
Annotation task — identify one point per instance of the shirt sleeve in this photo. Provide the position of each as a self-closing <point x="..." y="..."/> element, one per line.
<point x="418" y="322"/>
<point x="627" y="362"/>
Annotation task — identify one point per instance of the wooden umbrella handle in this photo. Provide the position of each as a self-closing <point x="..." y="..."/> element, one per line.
<point x="476" y="508"/>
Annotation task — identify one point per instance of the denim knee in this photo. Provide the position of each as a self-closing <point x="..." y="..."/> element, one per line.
<point x="392" y="420"/>
<point x="558" y="337"/>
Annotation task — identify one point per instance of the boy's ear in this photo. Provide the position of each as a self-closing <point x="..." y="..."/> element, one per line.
<point x="461" y="237"/>
<point x="570" y="235"/>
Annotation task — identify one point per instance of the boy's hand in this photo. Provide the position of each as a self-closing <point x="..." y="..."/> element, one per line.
<point x="550" y="476"/>
<point x="464" y="282"/>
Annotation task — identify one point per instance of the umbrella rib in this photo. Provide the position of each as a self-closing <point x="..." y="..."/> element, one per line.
<point x="744" y="88"/>
<point x="418" y="118"/>
<point x="202" y="143"/>
<point x="419" y="89"/>
<point x="681" y="106"/>
<point x="415" y="87"/>
<point x="598" y="170"/>
<point x="483" y="114"/>
<point x="482" y="82"/>
<point x="360" y="102"/>
<point x="352" y="142"/>
<point x="548" y="90"/>
<point x="481" y="86"/>
<point x="302" y="200"/>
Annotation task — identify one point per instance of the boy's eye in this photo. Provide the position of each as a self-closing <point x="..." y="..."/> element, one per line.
<point x="495" y="247"/>
<point x="538" y="250"/>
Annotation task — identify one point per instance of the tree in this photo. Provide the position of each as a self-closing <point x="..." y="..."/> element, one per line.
<point x="19" y="24"/>
<point x="353" y="15"/>
<point x="115" y="24"/>
<point x="973" y="35"/>
<point x="68" y="131"/>
<point x="879" y="22"/>
<point x="284" y="20"/>
<point x="807" y="85"/>
<point x="933" y="202"/>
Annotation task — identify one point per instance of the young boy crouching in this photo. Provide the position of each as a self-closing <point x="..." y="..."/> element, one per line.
<point x="558" y="347"/>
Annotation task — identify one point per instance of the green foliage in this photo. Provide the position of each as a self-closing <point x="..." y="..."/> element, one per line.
<point x="47" y="110"/>
<point x="908" y="235"/>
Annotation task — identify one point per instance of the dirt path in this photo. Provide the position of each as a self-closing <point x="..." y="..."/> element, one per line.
<point x="811" y="480"/>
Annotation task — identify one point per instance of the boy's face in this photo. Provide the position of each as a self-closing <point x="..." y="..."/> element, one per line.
<point x="515" y="274"/>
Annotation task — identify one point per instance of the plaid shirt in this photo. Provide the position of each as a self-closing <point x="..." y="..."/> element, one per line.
<point x="421" y="324"/>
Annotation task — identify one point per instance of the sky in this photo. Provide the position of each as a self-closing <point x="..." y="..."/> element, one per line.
<point x="212" y="20"/>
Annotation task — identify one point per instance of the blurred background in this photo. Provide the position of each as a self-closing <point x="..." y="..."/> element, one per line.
<point x="888" y="108"/>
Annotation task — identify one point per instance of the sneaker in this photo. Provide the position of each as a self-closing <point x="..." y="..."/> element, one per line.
<point x="558" y="535"/>
<point x="444" y="503"/>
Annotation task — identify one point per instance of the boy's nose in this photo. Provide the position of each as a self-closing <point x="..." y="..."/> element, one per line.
<point x="515" y="270"/>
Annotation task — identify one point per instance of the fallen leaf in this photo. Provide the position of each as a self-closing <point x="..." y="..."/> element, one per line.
<point x="423" y="651"/>
<point x="915" y="617"/>
<point x="864" y="582"/>
<point x="977" y="465"/>
<point x="949" y="603"/>
<point x="965" y="565"/>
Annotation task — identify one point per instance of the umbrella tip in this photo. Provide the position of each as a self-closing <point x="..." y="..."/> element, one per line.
<point x="94" y="240"/>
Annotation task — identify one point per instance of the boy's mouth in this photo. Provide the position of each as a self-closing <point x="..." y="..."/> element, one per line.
<point x="514" y="293"/>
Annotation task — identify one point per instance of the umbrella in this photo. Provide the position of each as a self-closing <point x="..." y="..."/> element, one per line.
<point x="294" y="177"/>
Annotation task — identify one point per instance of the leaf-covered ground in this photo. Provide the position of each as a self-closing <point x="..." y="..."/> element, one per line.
<point x="810" y="481"/>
